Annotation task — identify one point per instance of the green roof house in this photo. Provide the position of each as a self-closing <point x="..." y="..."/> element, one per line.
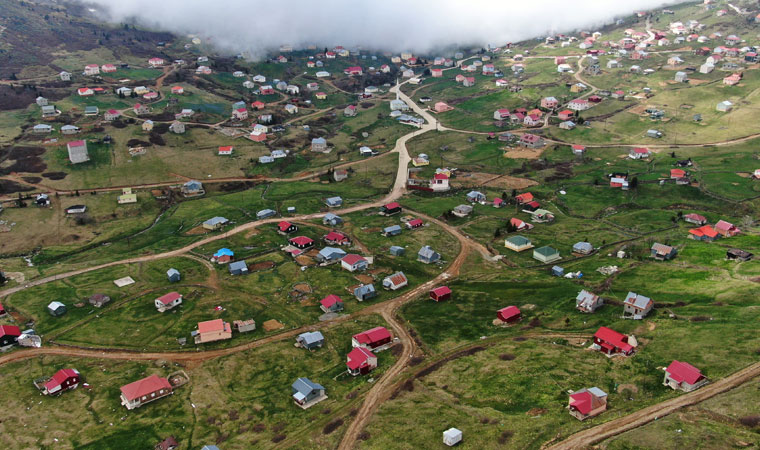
<point x="518" y="243"/>
<point x="546" y="254"/>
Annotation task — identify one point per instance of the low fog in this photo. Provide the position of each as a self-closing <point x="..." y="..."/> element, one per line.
<point x="255" y="27"/>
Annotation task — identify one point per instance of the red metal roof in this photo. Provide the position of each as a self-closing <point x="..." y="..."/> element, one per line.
<point x="696" y="217"/>
<point x="581" y="401"/>
<point x="336" y="236"/>
<point x="301" y="240"/>
<point x="393" y="205"/>
<point x="677" y="173"/>
<point x="441" y="291"/>
<point x="352" y="258"/>
<point x="330" y="300"/>
<point x="440" y="176"/>
<point x="9" y="330"/>
<point x="509" y="312"/>
<point x="168" y="298"/>
<point x="146" y="386"/>
<point x="376" y="334"/>
<point x="415" y="223"/>
<point x="684" y="372"/>
<point x="613" y="339"/>
<point x="212" y="325"/>
<point x="358" y="357"/>
<point x="60" y="377"/>
<point x="525" y="197"/>
<point x="705" y="230"/>
<point x="284" y="225"/>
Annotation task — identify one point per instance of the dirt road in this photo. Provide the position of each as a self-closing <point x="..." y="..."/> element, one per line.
<point x="612" y="428"/>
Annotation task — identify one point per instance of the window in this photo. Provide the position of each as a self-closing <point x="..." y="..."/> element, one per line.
<point x="153" y="394"/>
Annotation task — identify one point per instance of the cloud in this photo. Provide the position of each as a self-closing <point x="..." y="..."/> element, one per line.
<point x="421" y="26"/>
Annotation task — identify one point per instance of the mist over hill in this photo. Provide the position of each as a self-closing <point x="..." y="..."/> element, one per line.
<point x="256" y="27"/>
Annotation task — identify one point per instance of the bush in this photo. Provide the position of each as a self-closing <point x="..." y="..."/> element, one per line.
<point x="506" y="357"/>
<point x="332" y="426"/>
<point x="750" y="421"/>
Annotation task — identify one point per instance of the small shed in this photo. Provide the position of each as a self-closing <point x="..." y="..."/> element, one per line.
<point x="510" y="314"/>
<point x="365" y="292"/>
<point x="56" y="309"/>
<point x="265" y="213"/>
<point x="476" y="196"/>
<point x="244" y="326"/>
<point x="393" y="230"/>
<point x="332" y="219"/>
<point x="452" y="437"/>
<point x="395" y="250"/>
<point x="558" y="271"/>
<point x="584" y="248"/>
<point x="173" y="275"/>
<point x="440" y="293"/>
<point x="334" y="202"/>
<point x="238" y="268"/>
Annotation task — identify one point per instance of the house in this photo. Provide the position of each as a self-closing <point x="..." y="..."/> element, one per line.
<point x="726" y="229"/>
<point x="549" y="102"/>
<point x="69" y="129"/>
<point x="156" y="62"/>
<point x="291" y="108"/>
<point x="681" y="77"/>
<point x="127" y="196"/>
<point x="285" y="228"/>
<point x="704" y="233"/>
<point x="501" y="114"/>
<point x="587" y="403"/>
<point x="147" y="125"/>
<point x="476" y="197"/>
<point x="546" y="254"/>
<point x="350" y="111"/>
<point x="637" y="306"/>
<point x="329" y="255"/>
<point x="140" y="392"/>
<point x="91" y="110"/>
<point x="301" y="242"/>
<point x="215" y="223"/>
<point x="583" y="248"/>
<point x="168" y="301"/>
<point x="306" y="393"/>
<point x="683" y="376"/>
<point x="639" y="153"/>
<point x="524" y="198"/>
<point x="310" y="340"/>
<point x="42" y="128"/>
<point x="567" y="125"/>
<point x="360" y="361"/>
<point x="395" y="250"/>
<point x="192" y="188"/>
<point x="696" y="219"/>
<point x="212" y="330"/>
<point x="222" y="256"/>
<point x="442" y="107"/>
<point x="414" y="223"/>
<point x="390" y="209"/>
<point x="319" y="145"/>
<point x="238" y="268"/>
<point x="99" y="300"/>
<point x="336" y="238"/>
<point x="395" y="281"/>
<point x="353" y="262"/>
<point x="111" y="115"/>
<point x="371" y="339"/>
<point x="578" y="104"/>
<point x="334" y="202"/>
<point x="91" y="69"/>
<point x="724" y="106"/>
<point x="9" y="335"/>
<point x="177" y="127"/>
<point x="365" y="292"/>
<point x="332" y="219"/>
<point x="655" y="134"/>
<point x="85" y="92"/>
<point x="610" y="342"/>
<point x="518" y="243"/>
<point x="240" y="114"/>
<point x="427" y="255"/>
<point x="663" y="252"/>
<point x="173" y="275"/>
<point x="510" y="314"/>
<point x="736" y="254"/>
<point x="578" y="150"/>
<point x="56" y="309"/>
<point x="519" y="224"/>
<point x="65" y="76"/>
<point x="61" y="381"/>
<point x="331" y="303"/>
<point x="531" y="141"/>
<point x="532" y="120"/>
<point x="587" y="302"/>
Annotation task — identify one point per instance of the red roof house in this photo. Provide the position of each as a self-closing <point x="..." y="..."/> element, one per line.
<point x="63" y="380"/>
<point x="337" y="238"/>
<point x="726" y="229"/>
<point x="510" y="314"/>
<point x="696" y="219"/>
<point x="286" y="227"/>
<point x="566" y="115"/>
<point x="360" y="361"/>
<point x="301" y="242"/>
<point x="440" y="293"/>
<point x="9" y="334"/>
<point x="390" y="208"/>
<point x="683" y="376"/>
<point x="226" y="150"/>
<point x="414" y="223"/>
<point x="168" y="301"/>
<point x="524" y="198"/>
<point x="677" y="173"/>
<point x="140" y="392"/>
<point x="372" y="339"/>
<point x="587" y="403"/>
<point x="331" y="303"/>
<point x="258" y="104"/>
<point x="704" y="233"/>
<point x="611" y="342"/>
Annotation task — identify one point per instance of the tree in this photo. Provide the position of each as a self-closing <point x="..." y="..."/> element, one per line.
<point x="634" y="183"/>
<point x="3" y="280"/>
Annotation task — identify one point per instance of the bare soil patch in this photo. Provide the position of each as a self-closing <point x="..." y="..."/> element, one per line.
<point x="272" y="325"/>
<point x="263" y="265"/>
<point x="491" y="180"/>
<point x="631" y="387"/>
<point x="524" y="153"/>
<point x="364" y="279"/>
